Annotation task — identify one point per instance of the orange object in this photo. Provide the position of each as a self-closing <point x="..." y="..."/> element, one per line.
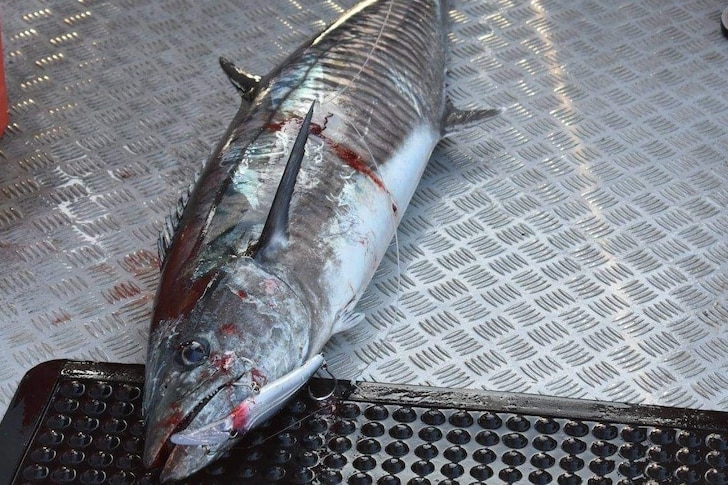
<point x="3" y="93"/>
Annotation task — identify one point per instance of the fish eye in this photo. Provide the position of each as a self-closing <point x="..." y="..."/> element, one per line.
<point x="193" y="352"/>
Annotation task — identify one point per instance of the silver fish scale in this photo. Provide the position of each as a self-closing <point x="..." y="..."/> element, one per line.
<point x="386" y="65"/>
<point x="575" y="245"/>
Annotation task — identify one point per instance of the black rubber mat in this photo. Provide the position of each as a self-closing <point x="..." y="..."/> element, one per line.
<point x="80" y="422"/>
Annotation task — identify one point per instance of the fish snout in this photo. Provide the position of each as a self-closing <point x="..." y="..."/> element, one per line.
<point x="185" y="436"/>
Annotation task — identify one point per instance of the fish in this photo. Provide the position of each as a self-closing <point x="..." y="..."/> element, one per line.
<point x="287" y="223"/>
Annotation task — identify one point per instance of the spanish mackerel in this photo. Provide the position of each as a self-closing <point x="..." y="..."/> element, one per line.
<point x="264" y="267"/>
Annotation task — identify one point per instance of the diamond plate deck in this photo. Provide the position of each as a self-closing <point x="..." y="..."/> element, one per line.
<point x="576" y="245"/>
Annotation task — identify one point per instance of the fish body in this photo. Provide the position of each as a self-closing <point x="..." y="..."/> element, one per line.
<point x="241" y="306"/>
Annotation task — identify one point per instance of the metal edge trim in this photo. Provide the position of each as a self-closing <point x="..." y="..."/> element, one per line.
<point x="104" y="371"/>
<point x="537" y="405"/>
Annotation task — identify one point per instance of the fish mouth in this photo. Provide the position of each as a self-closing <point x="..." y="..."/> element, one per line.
<point x="179" y="459"/>
<point x="189" y="442"/>
<point x="187" y="420"/>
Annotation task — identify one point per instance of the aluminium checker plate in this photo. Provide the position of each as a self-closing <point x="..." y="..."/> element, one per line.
<point x="80" y="422"/>
<point x="576" y="245"/>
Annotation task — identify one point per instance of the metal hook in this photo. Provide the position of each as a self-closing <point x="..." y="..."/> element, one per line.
<point x="333" y="389"/>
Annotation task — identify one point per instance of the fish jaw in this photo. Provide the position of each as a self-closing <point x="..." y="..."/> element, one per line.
<point x="204" y="439"/>
<point x="184" y="461"/>
<point x="166" y="419"/>
<point x="190" y="456"/>
<point x="262" y="405"/>
<point x="184" y="450"/>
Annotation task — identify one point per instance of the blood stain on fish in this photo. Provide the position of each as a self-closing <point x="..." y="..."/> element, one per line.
<point x="223" y="361"/>
<point x="169" y="309"/>
<point x="317" y="129"/>
<point x="240" y="416"/>
<point x="344" y="153"/>
<point x="258" y="377"/>
<point x="229" y="329"/>
<point x="352" y="159"/>
<point x="275" y="126"/>
<point x="172" y="420"/>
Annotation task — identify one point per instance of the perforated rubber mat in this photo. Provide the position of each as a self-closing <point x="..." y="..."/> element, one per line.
<point x="79" y="422"/>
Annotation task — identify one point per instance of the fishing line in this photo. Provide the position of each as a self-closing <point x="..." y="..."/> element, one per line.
<point x="331" y="408"/>
<point x="368" y="57"/>
<point x="335" y="386"/>
<point x="316" y="399"/>
<point x="393" y="216"/>
<point x="397" y="300"/>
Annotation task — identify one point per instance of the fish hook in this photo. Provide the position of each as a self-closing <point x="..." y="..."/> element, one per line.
<point x="325" y="368"/>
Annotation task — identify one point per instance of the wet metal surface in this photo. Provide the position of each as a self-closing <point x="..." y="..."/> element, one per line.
<point x="574" y="246"/>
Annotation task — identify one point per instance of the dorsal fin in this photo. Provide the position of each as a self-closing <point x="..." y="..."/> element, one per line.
<point x="172" y="221"/>
<point x="245" y="83"/>
<point x="275" y="230"/>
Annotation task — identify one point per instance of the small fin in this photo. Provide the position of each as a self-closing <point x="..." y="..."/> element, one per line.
<point x="275" y="230"/>
<point x="348" y="321"/>
<point x="457" y="119"/>
<point x="245" y="83"/>
<point x="172" y="221"/>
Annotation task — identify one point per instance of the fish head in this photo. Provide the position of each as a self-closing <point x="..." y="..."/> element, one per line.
<point x="205" y="367"/>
